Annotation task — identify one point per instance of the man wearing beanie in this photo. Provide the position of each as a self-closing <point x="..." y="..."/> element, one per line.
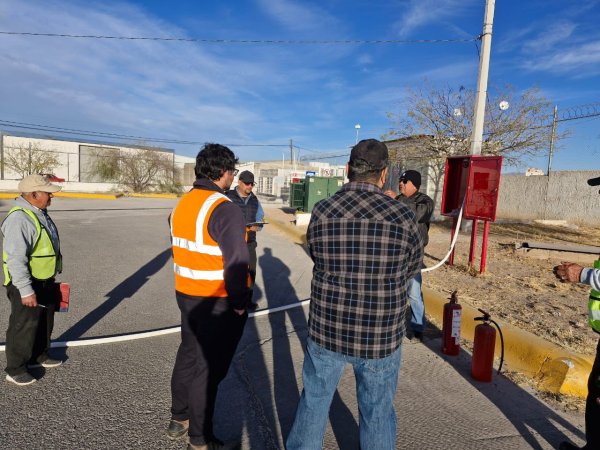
<point x="422" y="205"/>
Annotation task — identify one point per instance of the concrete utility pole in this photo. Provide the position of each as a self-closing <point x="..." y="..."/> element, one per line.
<point x="552" y="137"/>
<point x="482" y="81"/>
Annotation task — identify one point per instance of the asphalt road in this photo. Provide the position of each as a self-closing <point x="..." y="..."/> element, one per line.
<point x="116" y="396"/>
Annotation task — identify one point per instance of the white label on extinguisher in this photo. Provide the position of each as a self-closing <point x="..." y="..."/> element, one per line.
<point x="456" y="325"/>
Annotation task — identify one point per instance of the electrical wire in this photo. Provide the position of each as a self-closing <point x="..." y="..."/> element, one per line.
<point x="247" y="41"/>
<point x="106" y="135"/>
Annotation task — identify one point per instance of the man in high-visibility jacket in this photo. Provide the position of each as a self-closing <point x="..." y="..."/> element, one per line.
<point x="574" y="273"/>
<point x="31" y="260"/>
<point x="210" y="259"/>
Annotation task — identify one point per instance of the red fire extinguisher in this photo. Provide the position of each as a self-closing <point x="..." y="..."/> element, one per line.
<point x="484" y="345"/>
<point x="451" y="326"/>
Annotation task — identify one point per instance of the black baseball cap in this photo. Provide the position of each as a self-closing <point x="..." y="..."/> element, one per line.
<point x="371" y="153"/>
<point x="246" y="176"/>
<point x="594" y="181"/>
<point x="413" y="176"/>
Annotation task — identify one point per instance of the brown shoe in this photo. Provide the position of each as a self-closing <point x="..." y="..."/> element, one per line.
<point x="177" y="428"/>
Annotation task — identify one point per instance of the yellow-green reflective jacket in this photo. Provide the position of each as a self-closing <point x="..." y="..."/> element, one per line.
<point x="594" y="306"/>
<point x="44" y="261"/>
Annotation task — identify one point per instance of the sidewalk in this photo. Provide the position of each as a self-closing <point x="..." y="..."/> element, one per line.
<point x="437" y="403"/>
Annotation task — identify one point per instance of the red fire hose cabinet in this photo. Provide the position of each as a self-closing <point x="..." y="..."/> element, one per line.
<point x="476" y="179"/>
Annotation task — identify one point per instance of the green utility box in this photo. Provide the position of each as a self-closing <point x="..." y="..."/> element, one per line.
<point x="297" y="194"/>
<point x="318" y="188"/>
<point x="335" y="184"/>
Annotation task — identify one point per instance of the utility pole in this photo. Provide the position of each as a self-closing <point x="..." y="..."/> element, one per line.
<point x="482" y="81"/>
<point x="552" y="138"/>
<point x="291" y="154"/>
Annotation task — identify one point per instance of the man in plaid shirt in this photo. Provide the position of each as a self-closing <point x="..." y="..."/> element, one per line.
<point x="365" y="247"/>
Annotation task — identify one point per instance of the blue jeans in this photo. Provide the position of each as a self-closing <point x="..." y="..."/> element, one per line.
<point x="417" y="307"/>
<point x="376" y="382"/>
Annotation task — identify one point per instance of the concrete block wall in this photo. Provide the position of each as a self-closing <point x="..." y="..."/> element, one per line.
<point x="565" y="195"/>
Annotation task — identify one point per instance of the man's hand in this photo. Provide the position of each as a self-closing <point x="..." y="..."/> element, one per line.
<point x="568" y="271"/>
<point x="30" y="301"/>
<point x="240" y="312"/>
<point x="391" y="193"/>
<point x="254" y="228"/>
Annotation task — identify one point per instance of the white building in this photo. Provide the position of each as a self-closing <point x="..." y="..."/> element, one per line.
<point x="75" y="158"/>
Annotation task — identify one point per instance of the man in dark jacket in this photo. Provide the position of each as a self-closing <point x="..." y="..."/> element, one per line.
<point x="422" y="205"/>
<point x="243" y="196"/>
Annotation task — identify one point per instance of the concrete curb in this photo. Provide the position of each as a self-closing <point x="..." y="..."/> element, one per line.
<point x="555" y="369"/>
<point x="152" y="195"/>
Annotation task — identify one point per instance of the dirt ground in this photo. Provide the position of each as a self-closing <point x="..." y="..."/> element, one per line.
<point x="517" y="286"/>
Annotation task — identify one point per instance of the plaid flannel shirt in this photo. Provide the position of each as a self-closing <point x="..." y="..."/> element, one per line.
<point x="365" y="247"/>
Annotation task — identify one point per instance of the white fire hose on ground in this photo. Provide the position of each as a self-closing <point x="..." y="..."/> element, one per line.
<point x="263" y="312"/>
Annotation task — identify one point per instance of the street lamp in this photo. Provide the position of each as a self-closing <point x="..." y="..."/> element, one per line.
<point x="357" y="126"/>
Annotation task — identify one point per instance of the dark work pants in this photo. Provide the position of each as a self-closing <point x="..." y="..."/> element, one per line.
<point x="252" y="263"/>
<point x="210" y="332"/>
<point x="592" y="408"/>
<point x="29" y="329"/>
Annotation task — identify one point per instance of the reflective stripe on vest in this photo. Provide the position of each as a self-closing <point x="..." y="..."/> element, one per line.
<point x="43" y="261"/>
<point x="594" y="311"/>
<point x="197" y="258"/>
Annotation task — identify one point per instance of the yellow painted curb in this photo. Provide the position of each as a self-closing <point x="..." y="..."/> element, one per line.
<point x="150" y="195"/>
<point x="87" y="195"/>
<point x="556" y="369"/>
<point x="68" y="195"/>
<point x="297" y="235"/>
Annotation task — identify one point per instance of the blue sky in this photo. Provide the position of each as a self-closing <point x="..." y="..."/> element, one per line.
<point x="269" y="94"/>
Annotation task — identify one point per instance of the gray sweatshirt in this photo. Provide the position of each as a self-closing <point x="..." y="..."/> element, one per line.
<point x="591" y="277"/>
<point x="19" y="237"/>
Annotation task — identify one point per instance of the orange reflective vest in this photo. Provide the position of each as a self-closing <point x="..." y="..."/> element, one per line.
<point x="197" y="258"/>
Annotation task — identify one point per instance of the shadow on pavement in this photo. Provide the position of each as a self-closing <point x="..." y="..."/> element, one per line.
<point x="274" y="412"/>
<point x="122" y="291"/>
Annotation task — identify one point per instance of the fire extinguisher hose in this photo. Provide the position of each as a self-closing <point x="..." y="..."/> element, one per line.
<point x="452" y="244"/>
<point x="501" y="345"/>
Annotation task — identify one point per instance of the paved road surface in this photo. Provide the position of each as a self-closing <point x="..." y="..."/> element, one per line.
<point x="117" y="395"/>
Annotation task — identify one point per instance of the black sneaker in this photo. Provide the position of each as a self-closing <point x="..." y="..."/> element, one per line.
<point x="177" y="428"/>
<point x="46" y="364"/>
<point x="22" y="379"/>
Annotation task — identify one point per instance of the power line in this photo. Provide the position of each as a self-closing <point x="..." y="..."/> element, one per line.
<point x="247" y="41"/>
<point x="106" y="135"/>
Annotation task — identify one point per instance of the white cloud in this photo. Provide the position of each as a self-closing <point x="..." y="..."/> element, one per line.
<point x="155" y="88"/>
<point x="297" y="16"/>
<point x="554" y="34"/>
<point x="581" y="60"/>
<point x="423" y="12"/>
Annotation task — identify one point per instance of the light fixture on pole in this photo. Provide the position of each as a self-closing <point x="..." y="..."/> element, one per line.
<point x="357" y="126"/>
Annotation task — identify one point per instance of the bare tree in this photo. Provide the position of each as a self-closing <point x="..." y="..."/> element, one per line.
<point x="28" y="159"/>
<point x="141" y="171"/>
<point x="517" y="126"/>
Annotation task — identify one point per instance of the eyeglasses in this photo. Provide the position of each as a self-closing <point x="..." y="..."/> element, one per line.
<point x="234" y="172"/>
<point x="401" y="181"/>
<point x="251" y="183"/>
